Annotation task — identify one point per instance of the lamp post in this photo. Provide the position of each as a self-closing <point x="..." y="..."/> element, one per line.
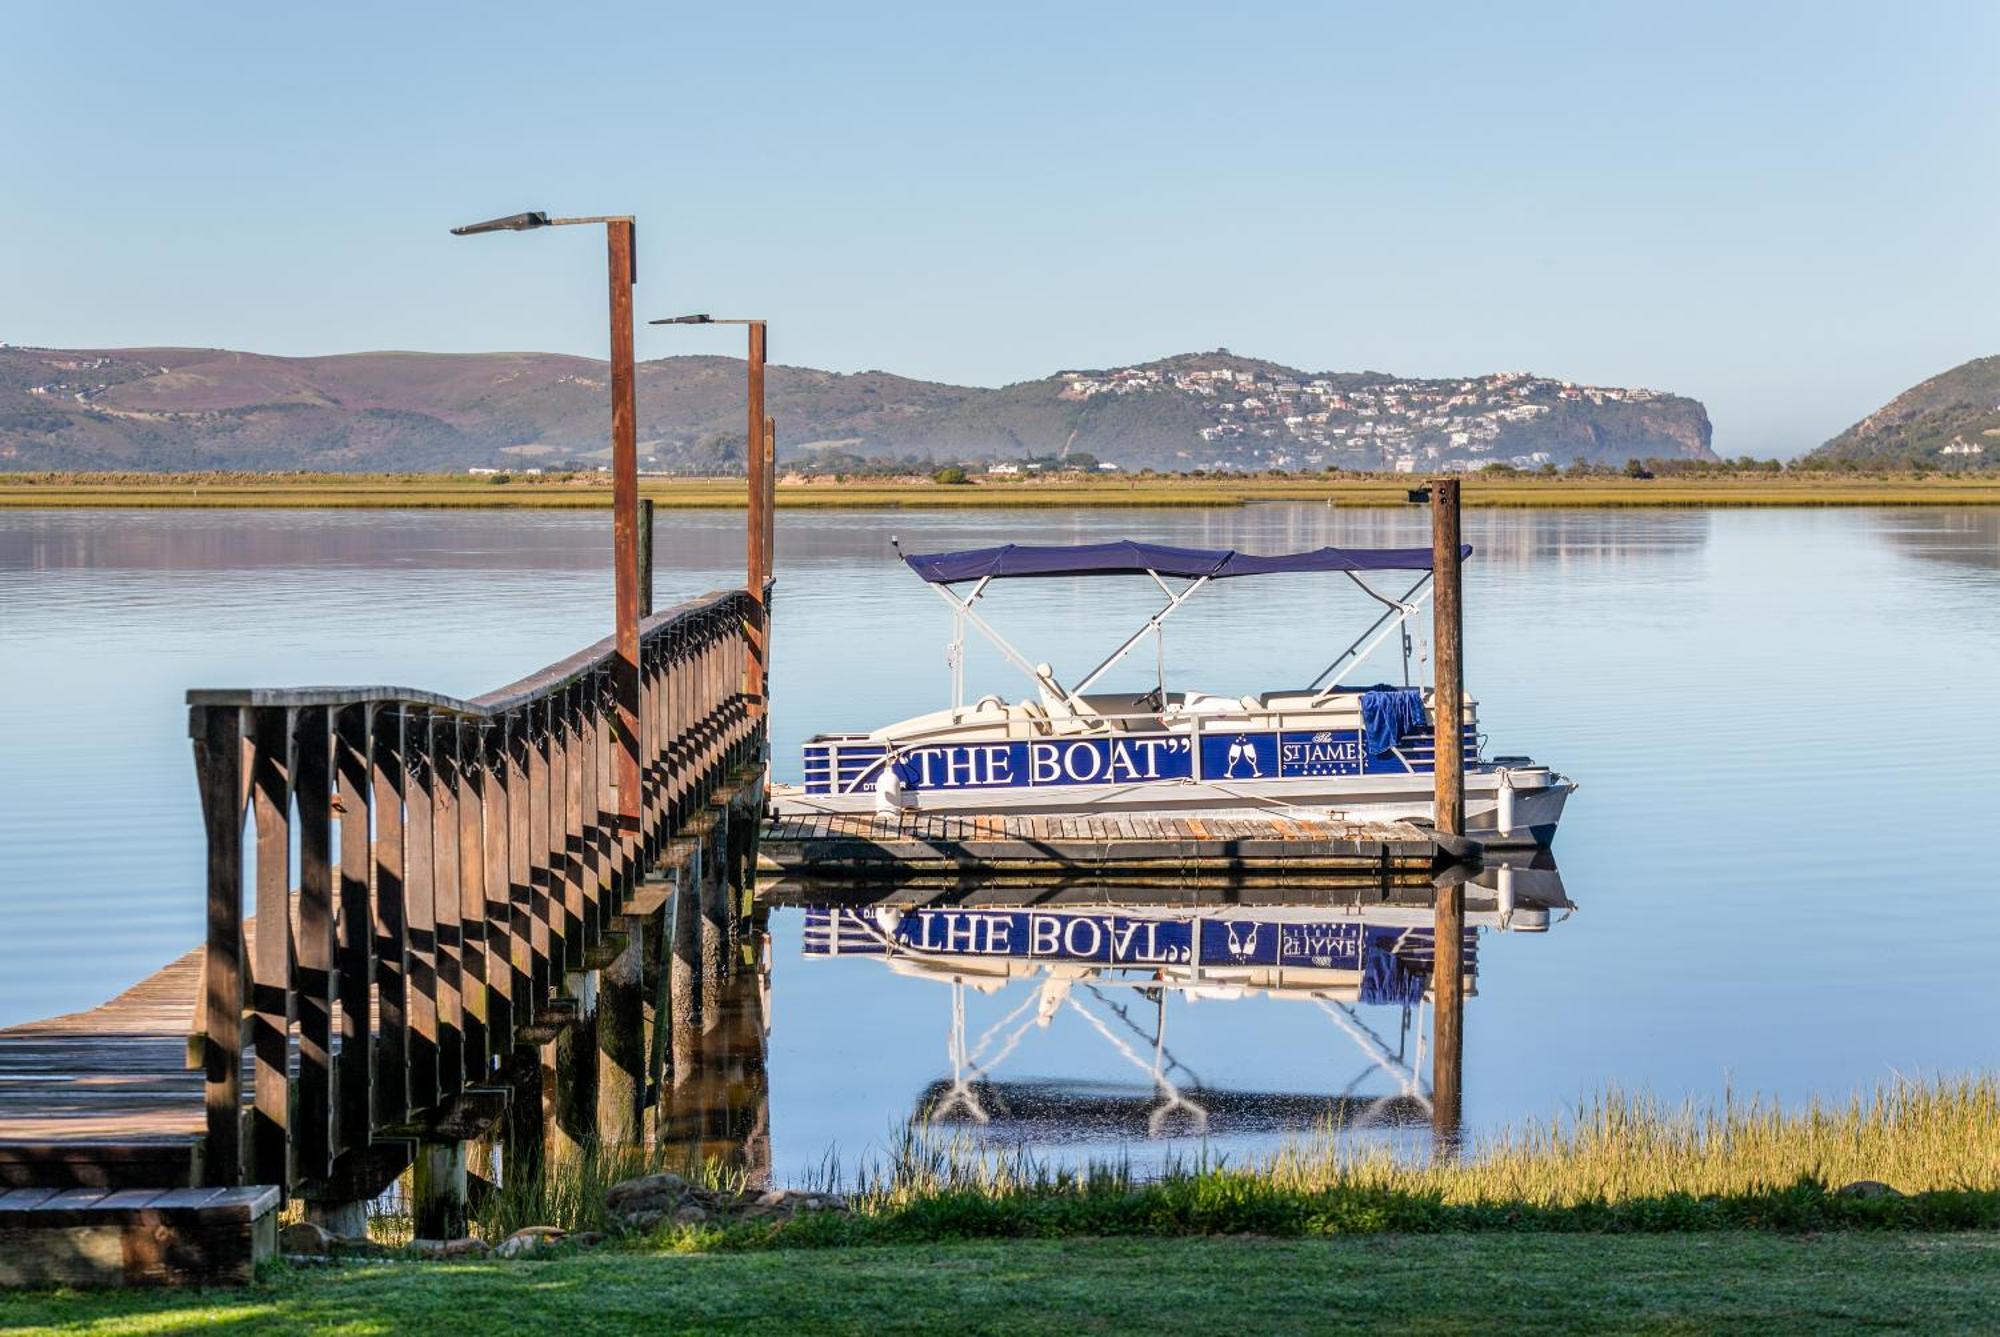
<point x="759" y="462"/>
<point x="623" y="271"/>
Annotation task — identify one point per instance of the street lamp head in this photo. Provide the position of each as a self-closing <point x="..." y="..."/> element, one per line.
<point x="511" y="223"/>
<point x="704" y="319"/>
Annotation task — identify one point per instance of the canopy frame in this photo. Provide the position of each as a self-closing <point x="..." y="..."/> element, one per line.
<point x="1396" y="614"/>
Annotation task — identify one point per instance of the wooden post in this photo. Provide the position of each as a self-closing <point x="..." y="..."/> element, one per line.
<point x="770" y="497"/>
<point x="522" y="1141"/>
<point x="625" y="521"/>
<point x="645" y="557"/>
<point x="272" y="1001"/>
<point x="621" y="1043"/>
<point x="312" y="785"/>
<point x="755" y="446"/>
<point x="356" y="931"/>
<point x="1448" y="730"/>
<point x="218" y="754"/>
<point x="438" y="1187"/>
<point x="684" y="988"/>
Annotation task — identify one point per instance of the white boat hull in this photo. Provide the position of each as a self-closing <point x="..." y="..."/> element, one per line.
<point x="1534" y="812"/>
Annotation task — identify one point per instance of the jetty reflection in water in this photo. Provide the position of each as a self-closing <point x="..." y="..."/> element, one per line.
<point x="1078" y="1023"/>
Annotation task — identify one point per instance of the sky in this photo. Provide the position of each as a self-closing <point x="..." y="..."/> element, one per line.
<point x="1786" y="210"/>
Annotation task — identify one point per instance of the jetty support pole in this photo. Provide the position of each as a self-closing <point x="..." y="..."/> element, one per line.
<point x="621" y="1042"/>
<point x="1448" y="729"/>
<point x="756" y="445"/>
<point x="625" y="524"/>
<point x="684" y="987"/>
<point x="438" y="1190"/>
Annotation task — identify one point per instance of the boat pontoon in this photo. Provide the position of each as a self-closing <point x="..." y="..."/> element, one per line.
<point x="1360" y="752"/>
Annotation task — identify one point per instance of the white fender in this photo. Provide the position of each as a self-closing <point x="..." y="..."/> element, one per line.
<point x="890" y="795"/>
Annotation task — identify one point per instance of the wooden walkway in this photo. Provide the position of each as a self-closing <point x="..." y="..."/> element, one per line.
<point x="1140" y="845"/>
<point x="105" y="1097"/>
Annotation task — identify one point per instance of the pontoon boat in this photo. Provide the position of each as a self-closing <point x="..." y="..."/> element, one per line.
<point x="1361" y="752"/>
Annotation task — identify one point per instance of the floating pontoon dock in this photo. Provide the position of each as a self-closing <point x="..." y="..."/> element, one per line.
<point x="1149" y="846"/>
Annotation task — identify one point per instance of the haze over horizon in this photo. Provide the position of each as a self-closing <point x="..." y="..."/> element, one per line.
<point x="1783" y="211"/>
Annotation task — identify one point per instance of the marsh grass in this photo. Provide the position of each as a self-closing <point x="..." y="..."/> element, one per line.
<point x="558" y="492"/>
<point x="1618" y="1161"/>
<point x="569" y="1191"/>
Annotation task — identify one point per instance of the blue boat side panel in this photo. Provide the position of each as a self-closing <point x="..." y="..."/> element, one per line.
<point x="1249" y="755"/>
<point x="1056" y="761"/>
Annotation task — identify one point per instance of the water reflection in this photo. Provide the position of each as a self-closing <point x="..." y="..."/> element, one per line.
<point x="1968" y="536"/>
<point x="715" y="1107"/>
<point x="1080" y="1021"/>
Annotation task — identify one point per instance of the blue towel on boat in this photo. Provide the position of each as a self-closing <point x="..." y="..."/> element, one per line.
<point x="1387" y="713"/>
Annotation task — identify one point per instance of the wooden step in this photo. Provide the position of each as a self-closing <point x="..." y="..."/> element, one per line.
<point x="136" y="1237"/>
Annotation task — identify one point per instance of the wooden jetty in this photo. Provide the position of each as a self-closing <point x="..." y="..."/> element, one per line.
<point x="476" y="942"/>
<point x="1141" y="846"/>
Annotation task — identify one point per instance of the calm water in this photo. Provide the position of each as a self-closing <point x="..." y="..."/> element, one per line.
<point x="1784" y="722"/>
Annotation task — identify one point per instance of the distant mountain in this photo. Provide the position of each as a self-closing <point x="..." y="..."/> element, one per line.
<point x="1950" y="419"/>
<point x="183" y="408"/>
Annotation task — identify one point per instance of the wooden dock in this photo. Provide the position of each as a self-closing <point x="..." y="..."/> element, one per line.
<point x="438" y="886"/>
<point x="1144" y="846"/>
<point x="105" y="1098"/>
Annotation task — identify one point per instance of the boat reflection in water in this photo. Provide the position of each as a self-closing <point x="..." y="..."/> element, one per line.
<point x="1359" y="960"/>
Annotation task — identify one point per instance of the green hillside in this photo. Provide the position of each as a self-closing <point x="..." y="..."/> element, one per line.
<point x="161" y="409"/>
<point x="1950" y="420"/>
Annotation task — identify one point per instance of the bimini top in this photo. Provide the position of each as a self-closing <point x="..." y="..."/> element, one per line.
<point x="1129" y="558"/>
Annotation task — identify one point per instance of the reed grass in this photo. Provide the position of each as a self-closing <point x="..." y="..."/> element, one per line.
<point x="569" y="1190"/>
<point x="1617" y="1161"/>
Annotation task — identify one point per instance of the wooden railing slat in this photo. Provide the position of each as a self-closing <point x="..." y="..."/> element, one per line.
<point x="220" y="771"/>
<point x="392" y="945"/>
<point x="472" y="904"/>
<point x="446" y="907"/>
<point x="312" y="789"/>
<point x="271" y="1000"/>
<point x="355" y="929"/>
<point x="420" y="905"/>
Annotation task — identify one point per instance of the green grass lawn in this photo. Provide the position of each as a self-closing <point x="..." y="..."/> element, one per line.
<point x="1848" y="1281"/>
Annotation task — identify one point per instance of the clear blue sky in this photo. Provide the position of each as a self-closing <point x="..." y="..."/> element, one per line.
<point x="1787" y="210"/>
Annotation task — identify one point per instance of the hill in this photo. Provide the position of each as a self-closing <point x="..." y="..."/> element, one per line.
<point x="151" y="409"/>
<point x="1953" y="419"/>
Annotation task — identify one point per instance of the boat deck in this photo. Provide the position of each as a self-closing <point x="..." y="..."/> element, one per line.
<point x="1147" y="846"/>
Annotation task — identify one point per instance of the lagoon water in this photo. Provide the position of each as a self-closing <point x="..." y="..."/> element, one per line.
<point x="1785" y="724"/>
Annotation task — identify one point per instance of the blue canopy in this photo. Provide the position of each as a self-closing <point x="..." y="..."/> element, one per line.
<point x="1129" y="558"/>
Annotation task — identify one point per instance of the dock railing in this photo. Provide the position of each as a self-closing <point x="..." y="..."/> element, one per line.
<point x="423" y="871"/>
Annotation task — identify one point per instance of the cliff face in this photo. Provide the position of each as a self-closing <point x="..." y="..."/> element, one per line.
<point x="214" y="409"/>
<point x="1951" y="419"/>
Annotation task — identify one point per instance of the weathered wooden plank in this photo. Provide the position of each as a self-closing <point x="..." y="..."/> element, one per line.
<point x="545" y="922"/>
<point x="392" y="942"/>
<point x="529" y="947"/>
<point x="271" y="998"/>
<point x="446" y="905"/>
<point x="221" y="772"/>
<point x="355" y="929"/>
<point x="471" y="779"/>
<point x="312" y="788"/>
<point x="420" y="904"/>
<point x="495" y="826"/>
